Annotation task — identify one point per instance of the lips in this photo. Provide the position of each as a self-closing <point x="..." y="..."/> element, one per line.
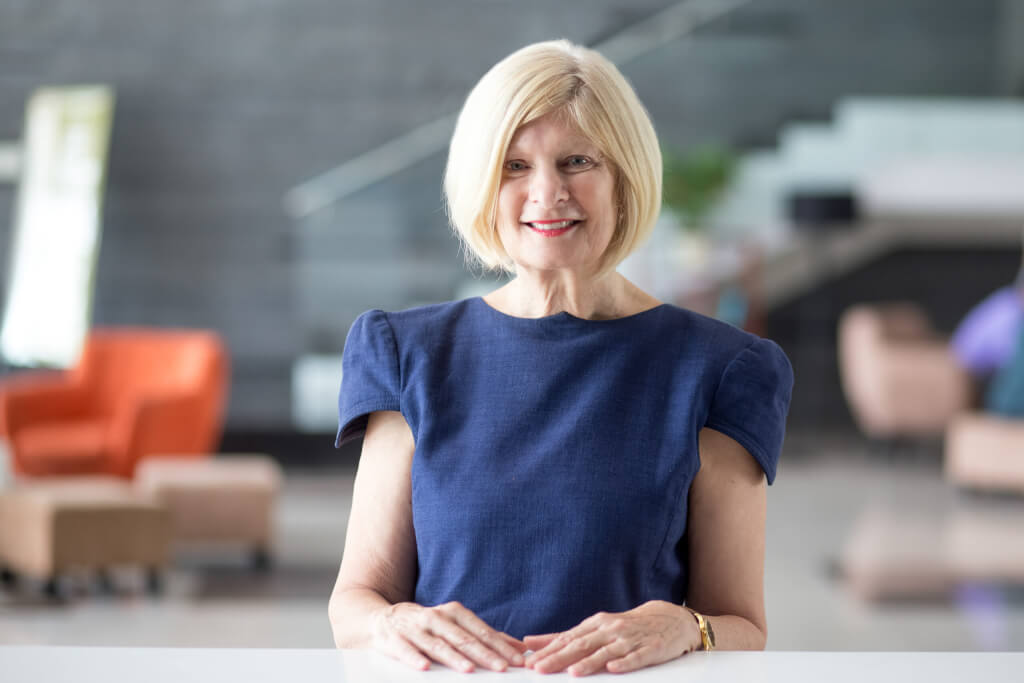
<point x="552" y="225"/>
<point x="552" y="228"/>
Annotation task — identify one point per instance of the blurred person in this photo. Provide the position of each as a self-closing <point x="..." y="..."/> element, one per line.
<point x="1005" y="394"/>
<point x="989" y="344"/>
<point x="984" y="340"/>
<point x="551" y="471"/>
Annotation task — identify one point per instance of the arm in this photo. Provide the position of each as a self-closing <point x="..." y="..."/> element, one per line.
<point x="378" y="566"/>
<point x="39" y="396"/>
<point x="371" y="602"/>
<point x="154" y="423"/>
<point x="726" y="579"/>
<point x="727" y="543"/>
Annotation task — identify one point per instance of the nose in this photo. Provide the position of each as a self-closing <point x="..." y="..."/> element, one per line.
<point x="548" y="187"/>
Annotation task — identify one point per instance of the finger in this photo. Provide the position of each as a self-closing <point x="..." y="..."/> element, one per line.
<point x="519" y="645"/>
<point x="599" y="658"/>
<point x="467" y="643"/>
<point x="440" y="651"/>
<point x="538" y="641"/>
<point x="560" y="641"/>
<point x="400" y="649"/>
<point x="572" y="652"/>
<point x="497" y="644"/>
<point x="551" y="643"/>
<point x="518" y="649"/>
<point x="644" y="655"/>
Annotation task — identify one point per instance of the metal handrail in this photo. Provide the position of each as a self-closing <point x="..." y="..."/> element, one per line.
<point x="408" y="149"/>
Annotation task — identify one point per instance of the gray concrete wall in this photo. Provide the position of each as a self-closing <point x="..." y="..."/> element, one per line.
<point x="743" y="77"/>
<point x="1010" y="30"/>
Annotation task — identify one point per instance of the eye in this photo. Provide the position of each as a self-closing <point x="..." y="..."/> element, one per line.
<point x="578" y="162"/>
<point x="515" y="165"/>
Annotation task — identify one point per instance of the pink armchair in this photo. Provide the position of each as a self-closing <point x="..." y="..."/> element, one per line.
<point x="899" y="376"/>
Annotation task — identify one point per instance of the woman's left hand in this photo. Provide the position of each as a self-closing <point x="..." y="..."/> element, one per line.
<point x="652" y="633"/>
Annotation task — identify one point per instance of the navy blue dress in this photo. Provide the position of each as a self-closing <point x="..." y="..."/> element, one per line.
<point x="554" y="455"/>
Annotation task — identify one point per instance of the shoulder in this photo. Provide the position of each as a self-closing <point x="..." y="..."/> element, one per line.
<point x="429" y="312"/>
<point x="718" y="341"/>
<point x="750" y="388"/>
<point x="423" y="332"/>
<point x="418" y="321"/>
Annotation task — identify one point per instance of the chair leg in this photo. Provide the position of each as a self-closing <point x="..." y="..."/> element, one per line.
<point x="8" y="578"/>
<point x="880" y="448"/>
<point x="154" y="581"/>
<point x="52" y="589"/>
<point x="261" y="560"/>
<point x="104" y="582"/>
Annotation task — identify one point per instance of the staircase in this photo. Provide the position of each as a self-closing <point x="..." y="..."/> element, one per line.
<point x="926" y="172"/>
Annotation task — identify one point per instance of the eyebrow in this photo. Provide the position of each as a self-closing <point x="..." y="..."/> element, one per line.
<point x="571" y="148"/>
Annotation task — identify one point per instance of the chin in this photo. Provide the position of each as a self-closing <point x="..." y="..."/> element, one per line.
<point x="541" y="265"/>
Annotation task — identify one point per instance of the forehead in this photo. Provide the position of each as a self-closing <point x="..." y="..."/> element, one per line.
<point x="550" y="132"/>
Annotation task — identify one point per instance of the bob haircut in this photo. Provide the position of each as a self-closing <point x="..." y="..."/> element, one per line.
<point x="595" y="98"/>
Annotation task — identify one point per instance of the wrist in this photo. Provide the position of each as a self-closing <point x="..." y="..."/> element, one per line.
<point x="692" y="629"/>
<point x="382" y="617"/>
<point x="705" y="632"/>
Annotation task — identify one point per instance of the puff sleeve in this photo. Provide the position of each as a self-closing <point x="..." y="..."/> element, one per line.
<point x="751" y="402"/>
<point x="370" y="375"/>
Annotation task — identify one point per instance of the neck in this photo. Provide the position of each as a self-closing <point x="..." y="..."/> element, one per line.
<point x="534" y="296"/>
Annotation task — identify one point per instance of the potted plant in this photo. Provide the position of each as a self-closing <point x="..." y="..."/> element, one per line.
<point x="692" y="183"/>
<point x="694" y="180"/>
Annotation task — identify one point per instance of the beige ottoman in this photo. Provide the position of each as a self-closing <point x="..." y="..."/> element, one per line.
<point x="905" y="555"/>
<point x="891" y="555"/>
<point x="216" y="500"/>
<point x="94" y="523"/>
<point x="985" y="452"/>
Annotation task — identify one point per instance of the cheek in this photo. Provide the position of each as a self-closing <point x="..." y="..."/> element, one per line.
<point x="597" y="193"/>
<point x="508" y="205"/>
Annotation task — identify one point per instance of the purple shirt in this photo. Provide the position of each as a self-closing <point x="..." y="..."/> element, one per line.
<point x="985" y="339"/>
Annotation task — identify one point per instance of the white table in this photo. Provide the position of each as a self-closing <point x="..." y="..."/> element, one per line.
<point x="23" y="664"/>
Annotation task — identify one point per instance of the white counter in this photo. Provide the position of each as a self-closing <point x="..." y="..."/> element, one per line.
<point x="19" y="664"/>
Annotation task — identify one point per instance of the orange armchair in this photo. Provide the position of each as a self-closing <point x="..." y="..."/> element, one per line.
<point x="134" y="392"/>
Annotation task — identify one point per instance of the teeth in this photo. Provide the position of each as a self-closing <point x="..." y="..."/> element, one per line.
<point x="553" y="226"/>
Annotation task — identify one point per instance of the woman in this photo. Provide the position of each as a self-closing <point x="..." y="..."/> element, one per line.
<point x="587" y="458"/>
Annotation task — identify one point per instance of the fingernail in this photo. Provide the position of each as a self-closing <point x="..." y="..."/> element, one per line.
<point x="517" y="659"/>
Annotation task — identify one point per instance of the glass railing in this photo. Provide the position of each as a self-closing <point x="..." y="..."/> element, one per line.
<point x="384" y="246"/>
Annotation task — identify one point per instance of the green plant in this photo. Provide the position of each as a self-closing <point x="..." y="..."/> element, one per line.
<point x="693" y="181"/>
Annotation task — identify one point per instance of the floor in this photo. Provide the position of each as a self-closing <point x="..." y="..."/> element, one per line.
<point x="213" y="599"/>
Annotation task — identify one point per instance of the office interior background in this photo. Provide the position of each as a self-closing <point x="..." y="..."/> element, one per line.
<point x="273" y="169"/>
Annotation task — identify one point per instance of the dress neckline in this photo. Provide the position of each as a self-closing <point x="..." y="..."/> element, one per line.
<point x="564" y="315"/>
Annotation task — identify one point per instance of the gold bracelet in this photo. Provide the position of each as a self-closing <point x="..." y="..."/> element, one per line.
<point x="707" y="634"/>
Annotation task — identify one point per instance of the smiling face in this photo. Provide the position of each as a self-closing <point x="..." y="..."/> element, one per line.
<point x="556" y="202"/>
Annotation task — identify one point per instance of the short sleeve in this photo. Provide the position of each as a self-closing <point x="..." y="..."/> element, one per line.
<point x="370" y="375"/>
<point x="752" y="400"/>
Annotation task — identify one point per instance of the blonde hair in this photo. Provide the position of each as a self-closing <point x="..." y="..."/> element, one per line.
<point x="595" y="97"/>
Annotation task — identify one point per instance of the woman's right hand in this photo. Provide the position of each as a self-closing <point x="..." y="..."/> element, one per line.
<point x="448" y="634"/>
